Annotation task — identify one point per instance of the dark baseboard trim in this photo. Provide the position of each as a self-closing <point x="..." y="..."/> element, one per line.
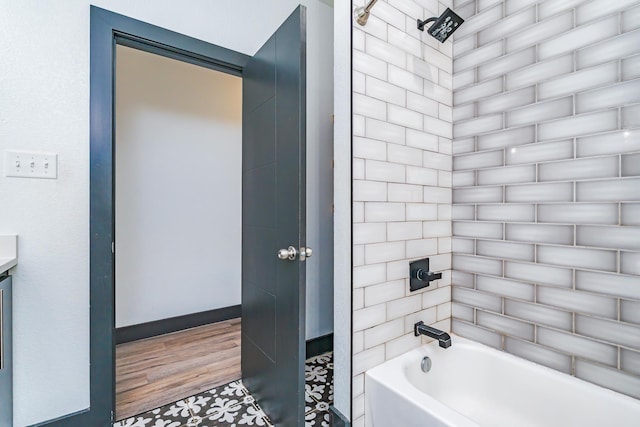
<point x="174" y="324"/>
<point x="319" y="345"/>
<point x="337" y="419"/>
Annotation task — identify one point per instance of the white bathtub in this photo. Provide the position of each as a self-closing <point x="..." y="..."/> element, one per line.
<point x="470" y="384"/>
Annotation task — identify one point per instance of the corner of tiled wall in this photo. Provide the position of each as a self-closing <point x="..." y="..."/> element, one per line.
<point x="402" y="162"/>
<point x="546" y="184"/>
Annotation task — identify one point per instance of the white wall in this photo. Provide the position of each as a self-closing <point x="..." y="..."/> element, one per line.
<point x="44" y="81"/>
<point x="342" y="215"/>
<point x="547" y="184"/>
<point x="178" y="188"/>
<point x="402" y="98"/>
<point x="319" y="171"/>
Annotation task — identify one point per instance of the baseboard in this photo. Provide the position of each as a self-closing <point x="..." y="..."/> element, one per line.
<point x="317" y="346"/>
<point x="337" y="419"/>
<point x="174" y="324"/>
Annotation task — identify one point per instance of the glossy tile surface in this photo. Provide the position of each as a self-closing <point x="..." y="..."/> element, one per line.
<point x="546" y="184"/>
<point x="403" y="108"/>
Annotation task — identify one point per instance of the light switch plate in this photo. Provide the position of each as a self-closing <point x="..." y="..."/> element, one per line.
<point x="25" y="164"/>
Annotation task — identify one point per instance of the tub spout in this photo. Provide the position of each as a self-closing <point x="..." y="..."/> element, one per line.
<point x="444" y="340"/>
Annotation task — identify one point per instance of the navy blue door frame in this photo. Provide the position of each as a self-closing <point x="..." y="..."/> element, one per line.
<point x="107" y="30"/>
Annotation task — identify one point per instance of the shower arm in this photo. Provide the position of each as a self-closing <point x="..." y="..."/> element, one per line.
<point x="368" y="7"/>
<point x="361" y="14"/>
<point x="421" y="24"/>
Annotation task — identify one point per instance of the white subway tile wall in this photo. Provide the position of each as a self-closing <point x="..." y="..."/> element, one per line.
<point x="402" y="163"/>
<point x="546" y="184"/>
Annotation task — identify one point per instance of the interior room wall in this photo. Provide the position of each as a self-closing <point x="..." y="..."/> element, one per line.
<point x="342" y="208"/>
<point x="178" y="188"/>
<point x="402" y="98"/>
<point x="44" y="80"/>
<point x="546" y="184"/>
<point x="319" y="169"/>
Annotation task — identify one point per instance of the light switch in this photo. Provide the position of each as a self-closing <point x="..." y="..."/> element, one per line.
<point x="24" y="164"/>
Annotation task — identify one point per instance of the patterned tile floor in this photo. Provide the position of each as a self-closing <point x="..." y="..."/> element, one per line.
<point x="231" y="405"/>
<point x="318" y="390"/>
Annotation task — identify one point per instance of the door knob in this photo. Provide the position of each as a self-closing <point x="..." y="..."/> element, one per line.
<point x="290" y="253"/>
<point x="305" y="253"/>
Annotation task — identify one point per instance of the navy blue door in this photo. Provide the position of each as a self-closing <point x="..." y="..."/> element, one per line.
<point x="273" y="218"/>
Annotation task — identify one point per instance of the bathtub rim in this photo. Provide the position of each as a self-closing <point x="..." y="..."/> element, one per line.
<point x="386" y="375"/>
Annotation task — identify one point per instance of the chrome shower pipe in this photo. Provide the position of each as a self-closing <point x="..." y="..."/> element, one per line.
<point x="361" y="14"/>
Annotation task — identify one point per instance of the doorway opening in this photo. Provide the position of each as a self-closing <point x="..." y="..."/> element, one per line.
<point x="178" y="189"/>
<point x="276" y="104"/>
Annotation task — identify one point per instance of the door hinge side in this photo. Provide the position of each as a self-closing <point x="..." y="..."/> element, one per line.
<point x="113" y="247"/>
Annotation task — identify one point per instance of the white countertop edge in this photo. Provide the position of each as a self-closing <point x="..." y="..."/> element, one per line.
<point x="8" y="252"/>
<point x="7" y="263"/>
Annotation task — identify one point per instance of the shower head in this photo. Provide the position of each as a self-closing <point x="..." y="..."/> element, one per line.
<point x="443" y="26"/>
<point x="362" y="13"/>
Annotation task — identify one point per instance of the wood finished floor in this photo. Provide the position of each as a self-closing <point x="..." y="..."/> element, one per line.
<point x="153" y="372"/>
